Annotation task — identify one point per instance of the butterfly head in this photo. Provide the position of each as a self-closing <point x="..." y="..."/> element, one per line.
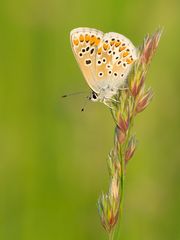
<point x="104" y="95"/>
<point x="94" y="97"/>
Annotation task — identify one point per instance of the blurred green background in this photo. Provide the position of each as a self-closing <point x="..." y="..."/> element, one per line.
<point x="52" y="156"/>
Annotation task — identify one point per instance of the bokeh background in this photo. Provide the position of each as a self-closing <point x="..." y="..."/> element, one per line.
<point x="52" y="156"/>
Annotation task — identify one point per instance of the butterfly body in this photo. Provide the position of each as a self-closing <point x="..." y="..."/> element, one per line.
<point x="104" y="59"/>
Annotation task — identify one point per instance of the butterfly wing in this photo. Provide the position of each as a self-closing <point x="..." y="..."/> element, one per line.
<point x="85" y="43"/>
<point x="104" y="59"/>
<point x="115" y="56"/>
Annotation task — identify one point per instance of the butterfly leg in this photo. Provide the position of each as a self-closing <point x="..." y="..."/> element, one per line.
<point x="108" y="103"/>
<point x="123" y="88"/>
<point x="114" y="100"/>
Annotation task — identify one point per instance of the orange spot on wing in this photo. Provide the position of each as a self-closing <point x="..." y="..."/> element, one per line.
<point x="81" y="38"/>
<point x="105" y="46"/>
<point x="121" y="48"/>
<point x="125" y="54"/>
<point x="87" y="38"/>
<point x="97" y="41"/>
<point x="129" y="60"/>
<point x="112" y="43"/>
<point x="99" y="51"/>
<point x="117" y="44"/>
<point x="92" y="40"/>
<point x="76" y="42"/>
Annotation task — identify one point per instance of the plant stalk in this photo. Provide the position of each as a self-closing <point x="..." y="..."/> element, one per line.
<point x="122" y="178"/>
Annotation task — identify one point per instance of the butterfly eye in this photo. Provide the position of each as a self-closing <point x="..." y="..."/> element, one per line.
<point x="94" y="95"/>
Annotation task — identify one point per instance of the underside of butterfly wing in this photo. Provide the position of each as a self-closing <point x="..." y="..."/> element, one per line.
<point x="84" y="43"/>
<point x="104" y="59"/>
<point x="115" y="56"/>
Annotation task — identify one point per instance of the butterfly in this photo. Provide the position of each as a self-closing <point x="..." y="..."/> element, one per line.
<point x="105" y="60"/>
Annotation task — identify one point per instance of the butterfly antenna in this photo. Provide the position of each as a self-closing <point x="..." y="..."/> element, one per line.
<point x="85" y="103"/>
<point x="71" y="94"/>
